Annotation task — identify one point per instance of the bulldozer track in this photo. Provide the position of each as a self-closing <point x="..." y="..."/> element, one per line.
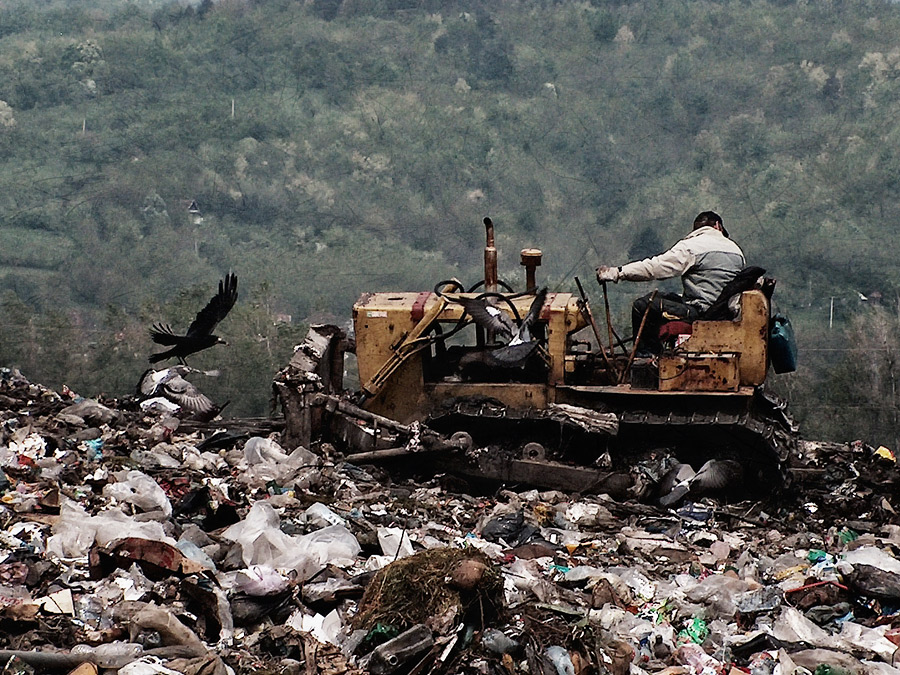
<point x="763" y="437"/>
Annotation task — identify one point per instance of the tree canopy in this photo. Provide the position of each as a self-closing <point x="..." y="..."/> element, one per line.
<point x="335" y="147"/>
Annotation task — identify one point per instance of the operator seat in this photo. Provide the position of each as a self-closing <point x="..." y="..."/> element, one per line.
<point x="725" y="307"/>
<point x="722" y="337"/>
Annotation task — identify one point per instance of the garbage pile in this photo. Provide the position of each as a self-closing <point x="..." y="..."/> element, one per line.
<point x="136" y="542"/>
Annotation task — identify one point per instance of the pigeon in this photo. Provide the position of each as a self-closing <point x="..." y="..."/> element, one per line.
<point x="199" y="334"/>
<point x="170" y="384"/>
<point x="713" y="477"/>
<point x="519" y="341"/>
<point x="488" y="316"/>
<point x="675" y="484"/>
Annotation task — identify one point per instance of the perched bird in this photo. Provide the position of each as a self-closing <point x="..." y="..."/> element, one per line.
<point x="170" y="384"/>
<point x="199" y="334"/>
<point x="713" y="477"/>
<point x="523" y="343"/>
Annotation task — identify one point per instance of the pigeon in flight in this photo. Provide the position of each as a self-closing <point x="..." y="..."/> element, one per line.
<point x="714" y="477"/>
<point x="520" y="342"/>
<point x="489" y="316"/>
<point x="199" y="334"/>
<point x="170" y="384"/>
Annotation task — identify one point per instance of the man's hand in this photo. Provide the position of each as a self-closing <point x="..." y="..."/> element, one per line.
<point x="605" y="273"/>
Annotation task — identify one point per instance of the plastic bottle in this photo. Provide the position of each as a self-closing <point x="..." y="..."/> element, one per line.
<point x="112" y="654"/>
<point x="390" y="656"/>
<point x="697" y="660"/>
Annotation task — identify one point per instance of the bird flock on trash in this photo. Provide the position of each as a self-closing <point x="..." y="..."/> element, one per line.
<point x="168" y="388"/>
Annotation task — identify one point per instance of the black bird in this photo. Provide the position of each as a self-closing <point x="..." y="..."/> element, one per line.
<point x="221" y="440"/>
<point x="199" y="334"/>
<point x="523" y="343"/>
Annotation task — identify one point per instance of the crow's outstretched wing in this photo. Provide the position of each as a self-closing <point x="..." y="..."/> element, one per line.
<point x="216" y="309"/>
<point x="162" y="334"/>
<point x="489" y="317"/>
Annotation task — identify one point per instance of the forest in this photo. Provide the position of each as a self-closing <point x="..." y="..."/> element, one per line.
<point x="327" y="148"/>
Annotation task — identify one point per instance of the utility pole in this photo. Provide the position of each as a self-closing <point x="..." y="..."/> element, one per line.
<point x="831" y="314"/>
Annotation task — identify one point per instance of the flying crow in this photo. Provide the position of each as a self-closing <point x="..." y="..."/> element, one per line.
<point x="199" y="334"/>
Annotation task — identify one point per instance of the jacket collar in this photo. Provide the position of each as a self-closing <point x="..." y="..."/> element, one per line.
<point x="706" y="229"/>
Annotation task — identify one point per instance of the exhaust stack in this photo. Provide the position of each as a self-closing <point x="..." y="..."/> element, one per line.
<point x="490" y="258"/>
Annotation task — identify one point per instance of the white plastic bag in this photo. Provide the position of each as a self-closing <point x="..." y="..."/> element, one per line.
<point x="139" y="489"/>
<point x="395" y="543"/>
<point x="263" y="543"/>
<point x="75" y="531"/>
<point x="260" y="580"/>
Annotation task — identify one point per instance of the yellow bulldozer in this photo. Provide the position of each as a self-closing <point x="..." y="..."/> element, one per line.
<point x="529" y="388"/>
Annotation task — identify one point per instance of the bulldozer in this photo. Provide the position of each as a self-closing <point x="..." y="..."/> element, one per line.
<point x="526" y="388"/>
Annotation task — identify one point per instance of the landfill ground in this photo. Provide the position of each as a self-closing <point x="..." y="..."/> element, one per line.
<point x="135" y="542"/>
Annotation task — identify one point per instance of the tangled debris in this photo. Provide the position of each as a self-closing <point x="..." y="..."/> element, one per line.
<point x="133" y="541"/>
<point x="436" y="587"/>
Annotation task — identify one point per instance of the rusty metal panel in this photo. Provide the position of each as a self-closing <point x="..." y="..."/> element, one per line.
<point x="746" y="336"/>
<point x="699" y="372"/>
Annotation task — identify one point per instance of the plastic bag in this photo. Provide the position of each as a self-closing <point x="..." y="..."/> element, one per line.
<point x="263" y="543"/>
<point x="321" y="515"/>
<point x="561" y="660"/>
<point x="75" y="531"/>
<point x="697" y="660"/>
<point x="265" y="461"/>
<point x="717" y="593"/>
<point x="394" y="542"/>
<point x="147" y="665"/>
<point x="260" y="580"/>
<point x="261" y="539"/>
<point x="139" y="489"/>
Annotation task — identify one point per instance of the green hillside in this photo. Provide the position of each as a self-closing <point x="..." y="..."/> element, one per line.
<point x="336" y="147"/>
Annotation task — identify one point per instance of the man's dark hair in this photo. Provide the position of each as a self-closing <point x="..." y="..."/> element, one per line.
<point x="709" y="218"/>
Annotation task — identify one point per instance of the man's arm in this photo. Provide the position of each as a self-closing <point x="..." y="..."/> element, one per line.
<point x="674" y="262"/>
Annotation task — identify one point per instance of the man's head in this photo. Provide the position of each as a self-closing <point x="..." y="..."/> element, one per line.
<point x="710" y="219"/>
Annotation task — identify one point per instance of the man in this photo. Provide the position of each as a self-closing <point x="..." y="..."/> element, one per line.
<point x="706" y="259"/>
